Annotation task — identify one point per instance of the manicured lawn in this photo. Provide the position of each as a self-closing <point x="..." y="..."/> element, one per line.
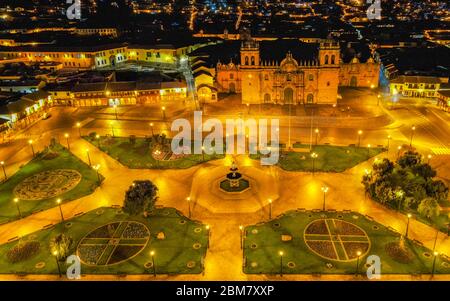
<point x="60" y="158"/>
<point x="137" y="155"/>
<point x="263" y="243"/>
<point x="171" y="253"/>
<point x="330" y="158"/>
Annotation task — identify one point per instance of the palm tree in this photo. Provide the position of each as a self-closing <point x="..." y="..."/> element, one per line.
<point x="60" y="245"/>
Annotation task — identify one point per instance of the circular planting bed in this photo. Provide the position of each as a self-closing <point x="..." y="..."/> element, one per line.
<point x="255" y="231"/>
<point x="113" y="243"/>
<point x="68" y="225"/>
<point x="291" y="264"/>
<point x="191" y="264"/>
<point x="198" y="230"/>
<point x="196" y="246"/>
<point x="40" y="265"/>
<point x="148" y="265"/>
<point x="47" y="184"/>
<point x="336" y="239"/>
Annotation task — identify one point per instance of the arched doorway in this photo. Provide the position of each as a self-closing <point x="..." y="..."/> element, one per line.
<point x="310" y="98"/>
<point x="288" y="95"/>
<point x="267" y="98"/>
<point x="353" y="81"/>
<point x="232" y="88"/>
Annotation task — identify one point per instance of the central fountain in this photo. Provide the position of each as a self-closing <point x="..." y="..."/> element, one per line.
<point x="234" y="182"/>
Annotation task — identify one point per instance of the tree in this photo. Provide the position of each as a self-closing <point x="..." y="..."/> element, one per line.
<point x="409" y="159"/>
<point x="424" y="170"/>
<point x="429" y="208"/>
<point x="437" y="190"/>
<point x="140" y="197"/>
<point x="61" y="244"/>
<point x="383" y="168"/>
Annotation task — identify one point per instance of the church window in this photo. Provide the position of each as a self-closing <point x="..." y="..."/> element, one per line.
<point x="231" y="76"/>
<point x="311" y="77"/>
<point x="253" y="60"/>
<point x="326" y="59"/>
<point x="333" y="59"/>
<point x="266" y="77"/>
<point x="246" y="60"/>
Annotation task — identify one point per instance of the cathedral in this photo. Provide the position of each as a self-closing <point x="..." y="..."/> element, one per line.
<point x="283" y="71"/>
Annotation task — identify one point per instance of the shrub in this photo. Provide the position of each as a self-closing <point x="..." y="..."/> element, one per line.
<point x="61" y="245"/>
<point x="23" y="251"/>
<point x="140" y="197"/>
<point x="429" y="208"/>
<point x="92" y="135"/>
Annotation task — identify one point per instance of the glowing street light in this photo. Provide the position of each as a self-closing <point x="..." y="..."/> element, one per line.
<point x="208" y="228"/>
<point x="324" y="190"/>
<point x="357" y="262"/>
<point x="429" y="158"/>
<point x="388" y="142"/>
<point x="434" y="263"/>
<point x="98" y="140"/>
<point x="270" y="208"/>
<point x="152" y="254"/>
<point x="399" y="149"/>
<point x="281" y="253"/>
<point x="55" y="253"/>
<point x="241" y="235"/>
<point x="151" y="126"/>
<point x="407" y="224"/>
<point x="188" y="199"/>
<point x="115" y="111"/>
<point x="203" y="153"/>
<point x="16" y="200"/>
<point x="163" y="109"/>
<point x="368" y="150"/>
<point x="413" y="129"/>
<point x="317" y="134"/>
<point x="359" y="137"/>
<point x="66" y="135"/>
<point x="2" y="163"/>
<point x="314" y="157"/>
<point x="30" y="142"/>
<point x="58" y="201"/>
<point x="79" y="128"/>
<point x="97" y="167"/>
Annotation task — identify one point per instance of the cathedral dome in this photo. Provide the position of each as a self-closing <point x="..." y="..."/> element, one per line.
<point x="289" y="64"/>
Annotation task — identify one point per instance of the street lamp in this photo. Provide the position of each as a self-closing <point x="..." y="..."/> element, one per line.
<point x="98" y="140"/>
<point x="58" y="201"/>
<point x="407" y="224"/>
<point x="359" y="137"/>
<point x="281" y="253"/>
<point x="314" y="157"/>
<point x="2" y="163"/>
<point x="248" y="108"/>
<point x="203" y="153"/>
<point x="324" y="190"/>
<point x="270" y="208"/>
<point x="388" y="140"/>
<point x="151" y="125"/>
<point x="429" y="158"/>
<point x="188" y="199"/>
<point x="66" y="135"/>
<point x="398" y="153"/>
<point x="152" y="254"/>
<point x="16" y="200"/>
<point x="357" y="262"/>
<point x="55" y="253"/>
<point x="30" y="142"/>
<point x="368" y="150"/>
<point x="317" y="134"/>
<point x="79" y="128"/>
<point x="378" y="99"/>
<point x="88" y="156"/>
<point x="413" y="128"/>
<point x="97" y="167"/>
<point x="241" y="235"/>
<point x="208" y="228"/>
<point x="434" y="263"/>
<point x="115" y="110"/>
<point x="163" y="112"/>
<point x="435" y="240"/>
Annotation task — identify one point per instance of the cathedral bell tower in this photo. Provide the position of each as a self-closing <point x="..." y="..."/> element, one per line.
<point x="249" y="53"/>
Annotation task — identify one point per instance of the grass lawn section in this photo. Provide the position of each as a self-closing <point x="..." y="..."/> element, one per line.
<point x="330" y="158"/>
<point x="171" y="254"/>
<point x="268" y="241"/>
<point x="138" y="155"/>
<point x="64" y="160"/>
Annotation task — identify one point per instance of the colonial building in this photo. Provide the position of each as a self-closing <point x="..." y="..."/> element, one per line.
<point x="416" y="86"/>
<point x="285" y="71"/>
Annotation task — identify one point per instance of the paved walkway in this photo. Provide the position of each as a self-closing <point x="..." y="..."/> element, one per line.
<point x="224" y="259"/>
